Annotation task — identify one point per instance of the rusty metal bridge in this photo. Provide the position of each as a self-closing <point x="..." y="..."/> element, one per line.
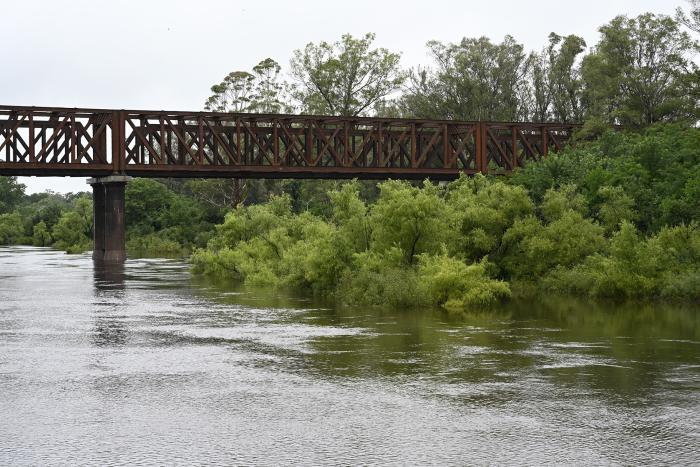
<point x="43" y="141"/>
<point x="113" y="145"/>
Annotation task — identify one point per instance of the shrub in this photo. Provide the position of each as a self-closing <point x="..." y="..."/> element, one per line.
<point x="154" y="245"/>
<point x="11" y="229"/>
<point x="531" y="249"/>
<point x="41" y="235"/>
<point x="452" y="284"/>
<point x="483" y="210"/>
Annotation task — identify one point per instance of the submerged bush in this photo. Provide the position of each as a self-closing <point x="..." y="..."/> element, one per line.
<point x="382" y="278"/>
<point x="455" y="285"/>
<point x="614" y="217"/>
<point x="456" y="247"/>
<point x="41" y="235"/>
<point x="11" y="229"/>
<point x="665" y="265"/>
<point x="381" y="255"/>
<point x="154" y="245"/>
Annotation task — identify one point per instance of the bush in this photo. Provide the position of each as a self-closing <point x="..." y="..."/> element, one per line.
<point x="454" y="285"/>
<point x="483" y="209"/>
<point x="41" y="235"/>
<point x="530" y="249"/>
<point x="154" y="245"/>
<point x="11" y="229"/>
<point x="382" y="279"/>
<point x="665" y="265"/>
<point x="454" y="247"/>
<point x="69" y="235"/>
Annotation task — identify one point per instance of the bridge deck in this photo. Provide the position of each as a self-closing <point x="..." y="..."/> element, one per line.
<point x="45" y="141"/>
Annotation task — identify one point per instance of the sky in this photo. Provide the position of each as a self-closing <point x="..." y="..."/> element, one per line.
<point x="166" y="54"/>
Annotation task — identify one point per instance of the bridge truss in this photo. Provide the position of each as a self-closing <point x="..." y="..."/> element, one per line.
<point x="45" y="141"/>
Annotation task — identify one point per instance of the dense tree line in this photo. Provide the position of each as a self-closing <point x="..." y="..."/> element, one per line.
<point x="639" y="73"/>
<point x="160" y="221"/>
<point x="44" y="219"/>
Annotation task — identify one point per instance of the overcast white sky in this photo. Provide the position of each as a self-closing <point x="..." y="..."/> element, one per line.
<point x="166" y="54"/>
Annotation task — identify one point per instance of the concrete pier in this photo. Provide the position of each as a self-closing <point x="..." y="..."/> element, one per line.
<point x="108" y="215"/>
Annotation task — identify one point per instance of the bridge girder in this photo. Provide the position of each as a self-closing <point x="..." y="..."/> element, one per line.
<point x="45" y="141"/>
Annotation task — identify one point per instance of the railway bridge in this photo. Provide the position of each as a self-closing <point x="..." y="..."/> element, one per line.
<point x="110" y="146"/>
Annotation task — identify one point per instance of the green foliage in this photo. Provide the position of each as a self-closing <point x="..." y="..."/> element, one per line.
<point x="415" y="220"/>
<point x="530" y="249"/>
<point x="318" y="259"/>
<point x="11" y="193"/>
<point x="615" y="207"/>
<point x="455" y="285"/>
<point x="474" y="80"/>
<point x="381" y="255"/>
<point x="11" y="230"/>
<point x="71" y="233"/>
<point x="347" y="77"/>
<point x="382" y="278"/>
<point x="651" y="178"/>
<point x="455" y="246"/>
<point x="666" y="265"/>
<point x="147" y="201"/>
<point x="41" y="235"/>
<point x="154" y="210"/>
<point x="557" y="202"/>
<point x="637" y="73"/>
<point x="483" y="210"/>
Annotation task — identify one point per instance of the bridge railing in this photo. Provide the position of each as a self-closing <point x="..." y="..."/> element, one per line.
<point x="60" y="141"/>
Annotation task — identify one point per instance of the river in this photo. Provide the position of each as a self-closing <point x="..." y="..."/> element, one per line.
<point x="148" y="365"/>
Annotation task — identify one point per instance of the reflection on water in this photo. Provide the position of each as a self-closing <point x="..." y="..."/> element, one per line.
<point x="110" y="329"/>
<point x="108" y="276"/>
<point x="143" y="363"/>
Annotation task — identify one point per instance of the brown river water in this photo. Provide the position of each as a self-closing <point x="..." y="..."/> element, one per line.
<point x="149" y="365"/>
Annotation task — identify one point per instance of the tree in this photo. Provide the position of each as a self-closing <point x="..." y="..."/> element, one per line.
<point x="638" y="72"/>
<point x="73" y="231"/>
<point x="474" y="80"/>
<point x="241" y="91"/>
<point x="146" y="202"/>
<point x="41" y="235"/>
<point x="263" y="91"/>
<point x="270" y="90"/>
<point x="11" y="229"/>
<point x="233" y="94"/>
<point x="11" y="193"/>
<point x="346" y="77"/>
<point x="691" y="20"/>
<point x="413" y="219"/>
<point x="554" y="80"/>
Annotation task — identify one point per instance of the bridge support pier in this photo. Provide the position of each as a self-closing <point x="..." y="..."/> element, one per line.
<point x="108" y="216"/>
